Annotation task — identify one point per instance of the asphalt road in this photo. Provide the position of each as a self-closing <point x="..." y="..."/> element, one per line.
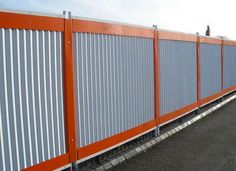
<point x="209" y="144"/>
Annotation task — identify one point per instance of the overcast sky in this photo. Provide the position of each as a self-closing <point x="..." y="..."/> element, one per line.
<point x="179" y="15"/>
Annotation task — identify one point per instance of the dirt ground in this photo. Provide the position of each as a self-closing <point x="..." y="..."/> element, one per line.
<point x="209" y="144"/>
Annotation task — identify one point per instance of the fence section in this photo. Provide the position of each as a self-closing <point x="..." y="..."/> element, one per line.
<point x="178" y="75"/>
<point x="31" y="92"/>
<point x="114" y="83"/>
<point x="229" y="66"/>
<point x="32" y="114"/>
<point x="210" y="67"/>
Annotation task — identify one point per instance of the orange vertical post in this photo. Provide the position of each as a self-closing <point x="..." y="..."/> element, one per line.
<point x="222" y="64"/>
<point x="69" y="91"/>
<point x="198" y="71"/>
<point x="156" y="80"/>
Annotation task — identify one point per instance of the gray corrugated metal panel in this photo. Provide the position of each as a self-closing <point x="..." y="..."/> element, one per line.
<point x="114" y="84"/>
<point x="31" y="98"/>
<point x="229" y="66"/>
<point x="178" y="75"/>
<point x="210" y="69"/>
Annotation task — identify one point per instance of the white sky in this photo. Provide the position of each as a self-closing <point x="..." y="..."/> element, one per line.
<point x="179" y="15"/>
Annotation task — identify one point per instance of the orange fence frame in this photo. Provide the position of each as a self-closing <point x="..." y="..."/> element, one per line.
<point x="85" y="26"/>
<point x="69" y="88"/>
<point x="112" y="141"/>
<point x="156" y="79"/>
<point x="210" y="40"/>
<point x="166" y="35"/>
<point x="50" y="164"/>
<point x="229" y="43"/>
<point x="32" y="22"/>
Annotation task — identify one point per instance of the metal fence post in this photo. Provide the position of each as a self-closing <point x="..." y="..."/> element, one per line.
<point x="198" y="72"/>
<point x="156" y="82"/>
<point x="222" y="63"/>
<point x="69" y="90"/>
<point x="222" y="66"/>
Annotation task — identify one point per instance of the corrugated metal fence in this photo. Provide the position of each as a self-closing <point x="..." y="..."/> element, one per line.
<point x="31" y="97"/>
<point x="210" y="63"/>
<point x="229" y="66"/>
<point x="114" y="84"/>
<point x="178" y="75"/>
<point x="72" y="89"/>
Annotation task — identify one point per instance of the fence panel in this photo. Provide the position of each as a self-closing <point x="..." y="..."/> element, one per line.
<point x="114" y="84"/>
<point x="178" y="75"/>
<point x="229" y="66"/>
<point x="210" y="69"/>
<point x="31" y="97"/>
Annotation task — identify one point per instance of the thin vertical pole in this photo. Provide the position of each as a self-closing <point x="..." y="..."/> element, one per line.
<point x="69" y="91"/>
<point x="156" y="82"/>
<point x="222" y="64"/>
<point x="198" y="71"/>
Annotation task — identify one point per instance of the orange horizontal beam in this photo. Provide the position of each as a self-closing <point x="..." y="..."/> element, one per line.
<point x="30" y="22"/>
<point x="210" y="98"/>
<point x="51" y="164"/>
<point x="225" y="91"/>
<point x="113" y="140"/>
<point x="177" y="113"/>
<point x="107" y="28"/>
<point x="165" y="35"/>
<point x="210" y="40"/>
<point x="230" y="42"/>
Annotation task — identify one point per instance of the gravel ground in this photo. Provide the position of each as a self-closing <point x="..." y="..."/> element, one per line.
<point x="209" y="144"/>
